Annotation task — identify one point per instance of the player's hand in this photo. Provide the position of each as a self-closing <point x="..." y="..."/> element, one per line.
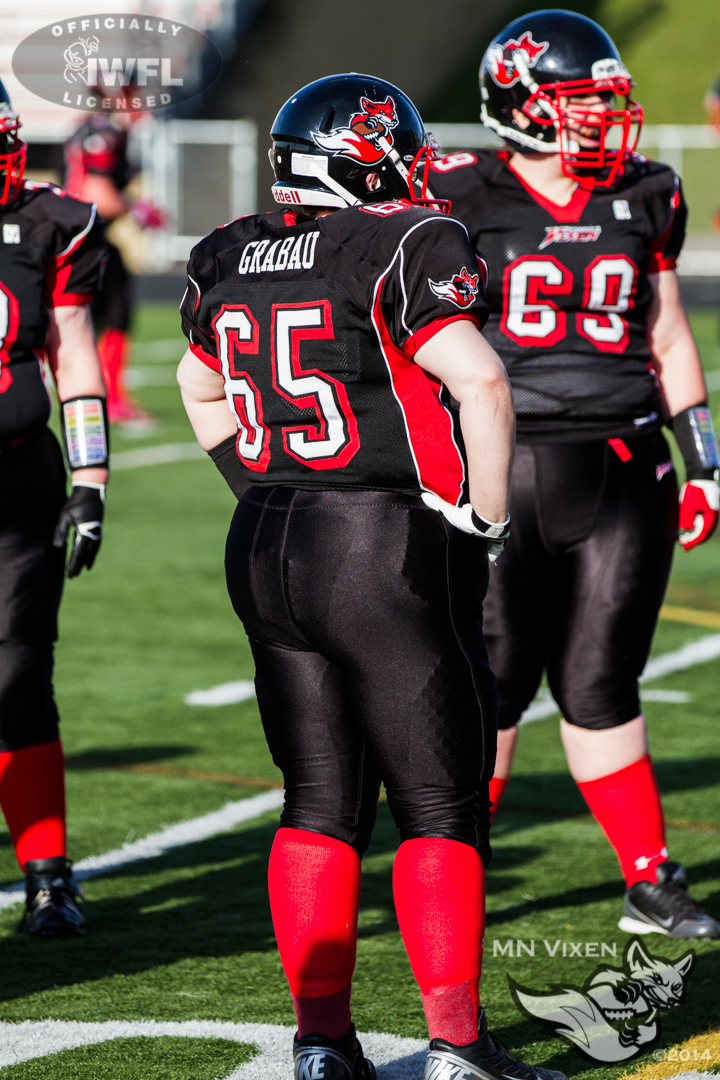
<point x="465" y="519"/>
<point x="84" y="509"/>
<point x="699" y="506"/>
<point x="147" y="215"/>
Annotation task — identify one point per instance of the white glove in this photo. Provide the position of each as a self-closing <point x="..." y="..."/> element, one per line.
<point x="465" y="519"/>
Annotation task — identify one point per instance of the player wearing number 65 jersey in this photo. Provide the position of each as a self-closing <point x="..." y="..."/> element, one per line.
<point x="51" y="259"/>
<point x="336" y="329"/>
<point x="581" y="237"/>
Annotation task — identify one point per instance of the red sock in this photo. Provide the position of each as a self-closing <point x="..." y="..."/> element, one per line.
<point x="32" y="797"/>
<point x="497" y="790"/>
<point x="626" y="806"/>
<point x="113" y="347"/>
<point x="314" y="884"/>
<point x="439" y="889"/>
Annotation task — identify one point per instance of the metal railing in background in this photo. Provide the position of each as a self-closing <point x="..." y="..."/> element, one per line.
<point x="201" y="173"/>
<point x="693" y="150"/>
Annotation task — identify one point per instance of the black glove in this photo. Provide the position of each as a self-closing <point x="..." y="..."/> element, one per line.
<point x="84" y="509"/>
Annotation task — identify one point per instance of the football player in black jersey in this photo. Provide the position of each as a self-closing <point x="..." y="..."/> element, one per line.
<point x="581" y="235"/>
<point x="335" y="330"/>
<point x="51" y="258"/>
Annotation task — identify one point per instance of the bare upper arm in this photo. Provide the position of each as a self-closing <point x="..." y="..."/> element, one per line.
<point x="197" y="381"/>
<point x="461" y="358"/>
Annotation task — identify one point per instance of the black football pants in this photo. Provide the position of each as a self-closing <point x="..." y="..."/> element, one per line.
<point x="578" y="589"/>
<point x="32" y="492"/>
<point x="364" y="611"/>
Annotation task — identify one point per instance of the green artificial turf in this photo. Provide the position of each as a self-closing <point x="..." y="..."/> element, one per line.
<point x="188" y="935"/>
<point x="164" y="1058"/>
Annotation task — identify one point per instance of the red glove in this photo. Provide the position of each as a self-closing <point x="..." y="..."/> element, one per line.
<point x="147" y="216"/>
<point x="699" y="506"/>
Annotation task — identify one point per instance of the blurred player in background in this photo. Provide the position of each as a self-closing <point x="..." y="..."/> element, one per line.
<point x="712" y="103"/>
<point x="581" y="241"/>
<point x="98" y="171"/>
<point x="51" y="257"/>
<point x="332" y="329"/>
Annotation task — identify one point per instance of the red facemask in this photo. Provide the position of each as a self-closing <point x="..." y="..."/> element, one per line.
<point x="12" y="162"/>
<point x="592" y="166"/>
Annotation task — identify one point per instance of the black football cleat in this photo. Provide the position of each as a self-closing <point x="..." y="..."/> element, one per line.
<point x="331" y="1059"/>
<point x="666" y="907"/>
<point x="485" y="1058"/>
<point x="51" y="896"/>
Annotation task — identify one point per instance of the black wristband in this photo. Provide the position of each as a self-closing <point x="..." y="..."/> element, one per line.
<point x="230" y="467"/>
<point x="489" y="529"/>
<point x="693" y="431"/>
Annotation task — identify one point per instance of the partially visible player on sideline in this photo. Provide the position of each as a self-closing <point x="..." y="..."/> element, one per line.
<point x="51" y="257"/>
<point x="712" y="103"/>
<point x="336" y="329"/>
<point x="585" y="311"/>
<point x="98" y="171"/>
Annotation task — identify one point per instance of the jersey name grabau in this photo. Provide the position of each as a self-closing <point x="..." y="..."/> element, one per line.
<point x="568" y="289"/>
<point x="314" y="326"/>
<point x="51" y="255"/>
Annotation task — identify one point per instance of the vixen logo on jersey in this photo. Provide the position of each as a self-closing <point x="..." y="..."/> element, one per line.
<point x="360" y="140"/>
<point x="501" y="58"/>
<point x="570" y="234"/>
<point x="460" y="290"/>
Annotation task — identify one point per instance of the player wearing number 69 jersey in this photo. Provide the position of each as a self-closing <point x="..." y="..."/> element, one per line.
<point x="581" y="236"/>
<point x="336" y="329"/>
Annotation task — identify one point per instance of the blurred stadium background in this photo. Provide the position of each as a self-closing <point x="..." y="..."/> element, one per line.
<point x="205" y="162"/>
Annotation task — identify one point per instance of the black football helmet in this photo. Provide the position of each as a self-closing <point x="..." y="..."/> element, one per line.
<point x="334" y="131"/>
<point x="13" y="152"/>
<point x="539" y="65"/>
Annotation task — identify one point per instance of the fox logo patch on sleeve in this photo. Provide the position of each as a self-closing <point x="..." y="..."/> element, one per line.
<point x="460" y="290"/>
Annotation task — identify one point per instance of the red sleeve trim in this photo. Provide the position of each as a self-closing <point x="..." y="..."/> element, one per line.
<point x="69" y="299"/>
<point x="658" y="262"/>
<point x="656" y="250"/>
<point x="418" y="339"/>
<point x="207" y="359"/>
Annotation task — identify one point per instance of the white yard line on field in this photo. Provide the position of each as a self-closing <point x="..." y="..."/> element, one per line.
<point x="186" y="832"/>
<point x="163" y="351"/>
<point x="156" y="455"/>
<point x="227" y="693"/>
<point x="234" y="813"/>
<point x="401" y="1059"/>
